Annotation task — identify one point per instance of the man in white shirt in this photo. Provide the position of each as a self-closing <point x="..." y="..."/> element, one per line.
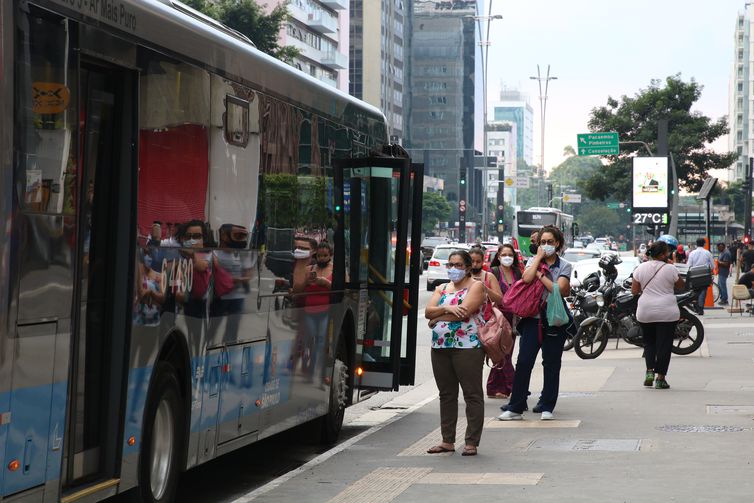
<point x="701" y="256"/>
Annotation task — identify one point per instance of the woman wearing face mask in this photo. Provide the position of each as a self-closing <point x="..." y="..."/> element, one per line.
<point x="317" y="303"/>
<point x="457" y="355"/>
<point x="506" y="270"/>
<point x="657" y="311"/>
<point x="192" y="236"/>
<point x="536" y="334"/>
<point x="491" y="287"/>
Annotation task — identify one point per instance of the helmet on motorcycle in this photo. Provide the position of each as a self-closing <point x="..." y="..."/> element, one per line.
<point x="609" y="261"/>
<point x="670" y="240"/>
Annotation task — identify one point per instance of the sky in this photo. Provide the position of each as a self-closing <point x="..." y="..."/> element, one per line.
<point x="601" y="48"/>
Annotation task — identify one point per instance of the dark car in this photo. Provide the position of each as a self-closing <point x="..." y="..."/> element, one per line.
<point x="428" y="247"/>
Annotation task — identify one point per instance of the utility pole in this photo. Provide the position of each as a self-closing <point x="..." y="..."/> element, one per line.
<point x="543" y="110"/>
<point x="747" y="198"/>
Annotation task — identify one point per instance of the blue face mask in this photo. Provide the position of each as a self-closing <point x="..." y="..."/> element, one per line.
<point x="148" y="261"/>
<point x="456" y="275"/>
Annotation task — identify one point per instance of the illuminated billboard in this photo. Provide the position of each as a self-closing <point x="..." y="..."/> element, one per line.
<point x="650" y="182"/>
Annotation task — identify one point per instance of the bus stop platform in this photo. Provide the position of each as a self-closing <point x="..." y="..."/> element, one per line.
<point x="612" y="440"/>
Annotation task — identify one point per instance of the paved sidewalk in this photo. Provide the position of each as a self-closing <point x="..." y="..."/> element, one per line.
<point x="612" y="441"/>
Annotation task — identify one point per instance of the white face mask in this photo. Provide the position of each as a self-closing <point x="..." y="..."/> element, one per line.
<point x="506" y="261"/>
<point x="456" y="275"/>
<point x="189" y="243"/>
<point x="548" y="249"/>
<point x="300" y="254"/>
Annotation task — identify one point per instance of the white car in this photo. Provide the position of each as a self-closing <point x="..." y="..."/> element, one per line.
<point x="437" y="273"/>
<point x="573" y="255"/>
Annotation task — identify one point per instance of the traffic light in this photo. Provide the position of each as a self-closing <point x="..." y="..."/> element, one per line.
<point x="500" y="220"/>
<point x="746" y="240"/>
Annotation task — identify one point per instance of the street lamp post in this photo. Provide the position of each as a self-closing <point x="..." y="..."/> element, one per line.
<point x="484" y="47"/>
<point x="543" y="108"/>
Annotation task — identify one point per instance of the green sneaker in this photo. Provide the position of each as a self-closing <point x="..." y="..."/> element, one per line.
<point x="661" y="384"/>
<point x="649" y="379"/>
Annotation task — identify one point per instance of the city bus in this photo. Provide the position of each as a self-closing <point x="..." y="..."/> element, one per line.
<point x="533" y="219"/>
<point x="202" y="247"/>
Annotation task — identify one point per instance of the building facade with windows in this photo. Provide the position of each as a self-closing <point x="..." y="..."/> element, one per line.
<point x="440" y="114"/>
<point x="514" y="107"/>
<point x="319" y="30"/>
<point x="741" y="97"/>
<point x="377" y="58"/>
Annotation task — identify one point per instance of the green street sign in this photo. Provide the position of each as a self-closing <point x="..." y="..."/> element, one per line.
<point x="597" y="144"/>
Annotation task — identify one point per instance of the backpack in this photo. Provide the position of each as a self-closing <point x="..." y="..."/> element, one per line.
<point x="525" y="299"/>
<point x="496" y="337"/>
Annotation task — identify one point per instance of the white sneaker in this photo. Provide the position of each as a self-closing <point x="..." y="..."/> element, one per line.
<point x="547" y="416"/>
<point x="510" y="416"/>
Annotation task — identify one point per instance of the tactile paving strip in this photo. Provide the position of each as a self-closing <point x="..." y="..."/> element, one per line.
<point x="381" y="486"/>
<point x="420" y="448"/>
<point x="701" y="428"/>
<point x="496" y="424"/>
<point x="528" y="479"/>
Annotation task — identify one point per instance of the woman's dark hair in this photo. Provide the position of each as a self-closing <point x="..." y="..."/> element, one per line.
<point x="496" y="261"/>
<point x="475" y="250"/>
<point x="657" y="248"/>
<point x="555" y="233"/>
<point x="192" y="223"/>
<point x="324" y="245"/>
<point x="465" y="256"/>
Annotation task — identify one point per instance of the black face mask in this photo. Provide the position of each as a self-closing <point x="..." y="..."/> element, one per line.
<point x="323" y="263"/>
<point x="476" y="270"/>
<point x="533" y="248"/>
<point x="236" y="244"/>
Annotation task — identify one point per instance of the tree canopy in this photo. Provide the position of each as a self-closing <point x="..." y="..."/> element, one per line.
<point x="248" y="18"/>
<point x="635" y="119"/>
<point x="435" y="208"/>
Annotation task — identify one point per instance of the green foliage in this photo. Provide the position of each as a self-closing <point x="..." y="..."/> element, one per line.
<point x="281" y="193"/>
<point x="248" y="17"/>
<point x="435" y="208"/>
<point x="600" y="221"/>
<point x="734" y="196"/>
<point x="575" y="172"/>
<point x="635" y="119"/>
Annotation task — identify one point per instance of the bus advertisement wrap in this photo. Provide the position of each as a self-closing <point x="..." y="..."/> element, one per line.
<point x="650" y="182"/>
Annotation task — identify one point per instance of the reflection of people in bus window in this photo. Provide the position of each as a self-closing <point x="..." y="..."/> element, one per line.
<point x="155" y="236"/>
<point x="150" y="293"/>
<point x="317" y="302"/>
<point x="236" y="261"/>
<point x="192" y="236"/>
<point x="302" y="253"/>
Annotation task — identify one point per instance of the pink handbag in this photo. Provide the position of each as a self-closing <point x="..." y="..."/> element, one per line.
<point x="496" y="337"/>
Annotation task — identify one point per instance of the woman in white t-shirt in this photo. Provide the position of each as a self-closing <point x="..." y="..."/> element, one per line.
<point x="657" y="311"/>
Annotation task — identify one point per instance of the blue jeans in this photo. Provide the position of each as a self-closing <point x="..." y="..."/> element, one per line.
<point x="528" y="348"/>
<point x="722" y="280"/>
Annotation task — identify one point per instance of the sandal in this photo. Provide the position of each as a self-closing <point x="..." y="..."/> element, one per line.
<point x="438" y="449"/>
<point x="469" y="450"/>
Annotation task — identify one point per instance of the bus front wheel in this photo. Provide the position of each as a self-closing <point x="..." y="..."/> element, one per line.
<point x="162" y="440"/>
<point x="332" y="422"/>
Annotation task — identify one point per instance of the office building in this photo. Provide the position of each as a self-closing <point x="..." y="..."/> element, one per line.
<point x="376" y="58"/>
<point x="514" y="107"/>
<point x="441" y="106"/>
<point x="740" y="97"/>
<point x="319" y="30"/>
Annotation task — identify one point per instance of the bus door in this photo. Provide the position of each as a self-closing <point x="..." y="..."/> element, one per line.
<point x="373" y="198"/>
<point x="103" y="271"/>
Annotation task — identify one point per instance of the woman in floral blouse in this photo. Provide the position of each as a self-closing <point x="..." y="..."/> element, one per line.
<point x="457" y="355"/>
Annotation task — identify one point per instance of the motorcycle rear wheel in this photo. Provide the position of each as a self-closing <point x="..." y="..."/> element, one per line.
<point x="689" y="334"/>
<point x="590" y="341"/>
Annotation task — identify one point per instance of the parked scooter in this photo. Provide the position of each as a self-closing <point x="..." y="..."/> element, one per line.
<point x="617" y="318"/>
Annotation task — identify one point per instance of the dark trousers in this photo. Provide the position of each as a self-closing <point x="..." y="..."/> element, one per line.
<point x="701" y="299"/>
<point x="528" y="348"/>
<point x="452" y="367"/>
<point x="658" y="340"/>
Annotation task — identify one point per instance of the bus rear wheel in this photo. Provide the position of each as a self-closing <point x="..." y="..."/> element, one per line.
<point x="163" y="437"/>
<point x="332" y="422"/>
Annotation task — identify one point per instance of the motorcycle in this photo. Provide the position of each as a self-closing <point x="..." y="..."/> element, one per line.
<point x="582" y="303"/>
<point x="617" y="318"/>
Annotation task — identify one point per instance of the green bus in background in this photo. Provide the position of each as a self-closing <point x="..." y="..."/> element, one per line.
<point x="533" y="219"/>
